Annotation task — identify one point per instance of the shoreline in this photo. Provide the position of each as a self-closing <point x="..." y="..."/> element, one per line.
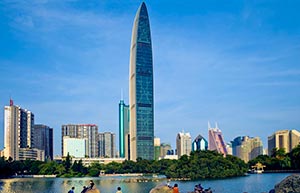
<point x="141" y="176"/>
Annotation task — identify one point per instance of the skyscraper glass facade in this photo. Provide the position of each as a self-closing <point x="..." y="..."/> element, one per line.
<point x="141" y="88"/>
<point x="200" y="143"/>
<point x="43" y="139"/>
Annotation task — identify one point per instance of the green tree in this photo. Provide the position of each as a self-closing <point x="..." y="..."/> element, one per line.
<point x="67" y="163"/>
<point x="94" y="172"/>
<point x="5" y="169"/>
<point x="60" y="170"/>
<point x="206" y="164"/>
<point x="48" y="168"/>
<point x="128" y="166"/>
<point x="113" y="167"/>
<point x="295" y="157"/>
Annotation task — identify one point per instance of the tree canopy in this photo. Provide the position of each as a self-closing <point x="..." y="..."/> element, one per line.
<point x="199" y="165"/>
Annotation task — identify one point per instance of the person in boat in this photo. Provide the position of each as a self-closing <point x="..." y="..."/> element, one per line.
<point x="175" y="188"/>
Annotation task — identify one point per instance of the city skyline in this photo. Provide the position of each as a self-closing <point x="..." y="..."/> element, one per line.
<point x="237" y="64"/>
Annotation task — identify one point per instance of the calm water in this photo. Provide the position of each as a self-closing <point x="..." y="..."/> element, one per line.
<point x="254" y="183"/>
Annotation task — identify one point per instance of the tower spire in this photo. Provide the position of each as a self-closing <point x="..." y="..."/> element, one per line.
<point x="208" y="125"/>
<point x="217" y="126"/>
<point x="11" y="102"/>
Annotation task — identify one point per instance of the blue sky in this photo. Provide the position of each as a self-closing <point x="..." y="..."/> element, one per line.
<point x="232" y="62"/>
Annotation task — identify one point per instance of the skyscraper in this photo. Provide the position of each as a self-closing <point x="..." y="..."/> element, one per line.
<point x="18" y="130"/>
<point x="141" y="88"/>
<point x="285" y="139"/>
<point x="82" y="131"/>
<point x="107" y="145"/>
<point x="215" y="140"/>
<point x="43" y="139"/>
<point x="199" y="143"/>
<point x="247" y="148"/>
<point x="124" y="136"/>
<point x="183" y="144"/>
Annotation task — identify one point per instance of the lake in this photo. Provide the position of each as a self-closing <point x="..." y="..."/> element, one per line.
<point x="253" y="183"/>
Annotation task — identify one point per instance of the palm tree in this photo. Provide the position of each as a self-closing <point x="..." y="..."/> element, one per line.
<point x="295" y="157"/>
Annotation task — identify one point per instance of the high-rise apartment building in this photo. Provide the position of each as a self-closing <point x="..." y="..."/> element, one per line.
<point x="183" y="144"/>
<point x="200" y="143"/>
<point x="82" y="131"/>
<point x="124" y="135"/>
<point x="43" y="139"/>
<point x="247" y="148"/>
<point x="286" y="139"/>
<point x="216" y="140"/>
<point x="107" y="145"/>
<point x="141" y="88"/>
<point x="18" y="130"/>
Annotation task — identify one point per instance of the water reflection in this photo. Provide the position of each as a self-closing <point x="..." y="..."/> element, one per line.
<point x="251" y="184"/>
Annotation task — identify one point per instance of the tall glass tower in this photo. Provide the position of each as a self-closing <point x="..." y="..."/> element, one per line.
<point x="124" y="130"/>
<point x="141" y="88"/>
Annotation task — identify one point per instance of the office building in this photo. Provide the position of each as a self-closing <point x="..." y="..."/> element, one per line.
<point x="43" y="139"/>
<point x="89" y="132"/>
<point x="286" y="139"/>
<point x="141" y="88"/>
<point x="165" y="149"/>
<point x="183" y="144"/>
<point x="247" y="148"/>
<point x="200" y="143"/>
<point x="107" y="145"/>
<point x="124" y="136"/>
<point x="216" y="141"/>
<point x="18" y="130"/>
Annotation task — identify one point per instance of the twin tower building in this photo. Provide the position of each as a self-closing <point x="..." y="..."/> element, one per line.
<point x="136" y="120"/>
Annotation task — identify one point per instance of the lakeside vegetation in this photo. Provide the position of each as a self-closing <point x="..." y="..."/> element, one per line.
<point x="279" y="160"/>
<point x="199" y="165"/>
